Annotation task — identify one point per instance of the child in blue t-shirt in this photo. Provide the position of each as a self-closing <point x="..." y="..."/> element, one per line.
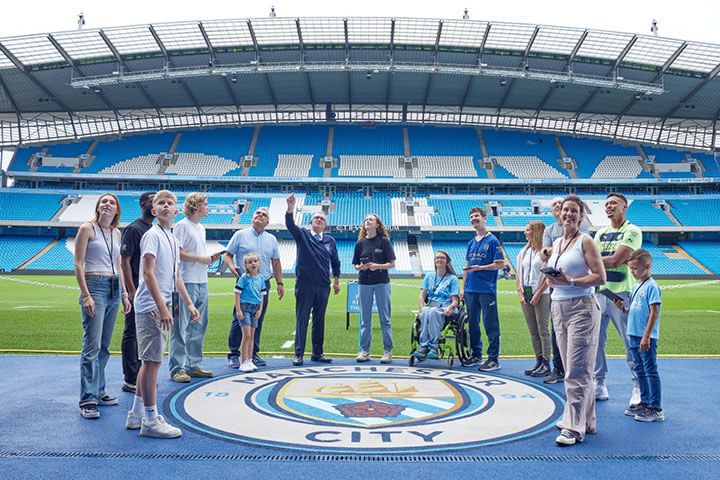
<point x="250" y="293"/>
<point x="643" y="332"/>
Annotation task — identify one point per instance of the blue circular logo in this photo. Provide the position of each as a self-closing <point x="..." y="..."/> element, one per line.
<point x="367" y="409"/>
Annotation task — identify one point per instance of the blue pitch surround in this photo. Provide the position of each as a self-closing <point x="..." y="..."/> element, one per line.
<point x="59" y="443"/>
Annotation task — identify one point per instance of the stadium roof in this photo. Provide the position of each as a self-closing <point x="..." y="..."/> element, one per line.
<point x="624" y="86"/>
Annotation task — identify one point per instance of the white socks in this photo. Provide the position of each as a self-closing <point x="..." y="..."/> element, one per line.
<point x="137" y="406"/>
<point x="151" y="412"/>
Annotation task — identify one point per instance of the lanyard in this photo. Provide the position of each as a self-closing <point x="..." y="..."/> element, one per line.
<point x="109" y="247"/>
<point x="562" y="249"/>
<point x="637" y="289"/>
<point x="173" y="247"/>
<point x="438" y="283"/>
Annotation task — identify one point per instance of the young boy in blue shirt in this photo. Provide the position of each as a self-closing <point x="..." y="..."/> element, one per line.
<point x="643" y="331"/>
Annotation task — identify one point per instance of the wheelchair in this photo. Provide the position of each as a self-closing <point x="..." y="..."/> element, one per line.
<point x="453" y="343"/>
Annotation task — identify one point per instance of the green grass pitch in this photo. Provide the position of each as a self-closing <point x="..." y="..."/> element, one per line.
<point x="39" y="318"/>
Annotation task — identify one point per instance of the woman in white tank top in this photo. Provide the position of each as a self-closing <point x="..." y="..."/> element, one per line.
<point x="577" y="269"/>
<point x="100" y="278"/>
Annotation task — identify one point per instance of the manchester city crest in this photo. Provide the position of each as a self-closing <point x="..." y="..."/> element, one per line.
<point x="370" y="409"/>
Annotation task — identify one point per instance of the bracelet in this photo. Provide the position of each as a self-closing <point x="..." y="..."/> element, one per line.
<point x="280" y="284"/>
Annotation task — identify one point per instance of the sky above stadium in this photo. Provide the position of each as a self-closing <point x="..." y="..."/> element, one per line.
<point x="696" y="20"/>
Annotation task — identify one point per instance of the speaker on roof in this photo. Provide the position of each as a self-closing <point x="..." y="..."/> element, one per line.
<point x="329" y="114"/>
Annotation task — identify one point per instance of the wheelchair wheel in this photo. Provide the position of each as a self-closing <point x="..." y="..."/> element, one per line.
<point x="462" y="341"/>
<point x="415" y="331"/>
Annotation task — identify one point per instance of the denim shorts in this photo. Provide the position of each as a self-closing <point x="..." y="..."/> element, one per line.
<point x="249" y="310"/>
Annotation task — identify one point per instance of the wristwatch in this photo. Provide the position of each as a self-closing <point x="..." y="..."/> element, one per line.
<point x="572" y="282"/>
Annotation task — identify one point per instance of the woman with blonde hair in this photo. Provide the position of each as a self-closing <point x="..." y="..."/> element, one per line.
<point x="373" y="257"/>
<point x="534" y="299"/>
<point x="100" y="278"/>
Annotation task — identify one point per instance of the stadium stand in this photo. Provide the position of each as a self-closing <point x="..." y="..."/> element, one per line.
<point x="620" y="166"/>
<point x="664" y="265"/>
<point x="142" y="165"/>
<point x="705" y="252"/>
<point x="288" y="255"/>
<point x="59" y="257"/>
<point x="444" y="166"/>
<point x="456" y="250"/>
<point x="443" y="215"/>
<point x="110" y="152"/>
<point x="643" y="214"/>
<point x="16" y="250"/>
<point x="525" y="167"/>
<point x="588" y="153"/>
<point x="293" y="166"/>
<point x="371" y="166"/>
<point x="351" y="208"/>
<point x="277" y="140"/>
<point x="402" y="256"/>
<point x="434" y="141"/>
<point x="200" y="164"/>
<point x="355" y="140"/>
<point x="28" y="206"/>
<point x="229" y="143"/>
<point x="696" y="212"/>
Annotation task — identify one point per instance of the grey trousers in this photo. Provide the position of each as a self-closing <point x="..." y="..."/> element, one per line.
<point x="577" y="324"/>
<point x="538" y="322"/>
<point x="609" y="312"/>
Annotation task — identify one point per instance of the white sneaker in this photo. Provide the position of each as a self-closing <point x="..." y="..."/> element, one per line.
<point x="247" y="367"/>
<point x="159" y="429"/>
<point x="601" y="392"/>
<point x="387" y="357"/>
<point x="635" y="397"/>
<point x="362" y="356"/>
<point x="133" y="422"/>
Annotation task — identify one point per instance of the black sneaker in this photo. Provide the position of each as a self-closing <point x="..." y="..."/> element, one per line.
<point x="472" y="360"/>
<point x="634" y="409"/>
<point x="489" y="365"/>
<point x="107" y="400"/>
<point x="90" y="411"/>
<point x="297" y="361"/>
<point x="554" y="377"/>
<point x="321" y="359"/>
<point x="128" y="387"/>
<point x="649" y="414"/>
<point x="258" y="361"/>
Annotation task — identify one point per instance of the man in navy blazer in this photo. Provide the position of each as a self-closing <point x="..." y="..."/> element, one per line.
<point x="316" y="256"/>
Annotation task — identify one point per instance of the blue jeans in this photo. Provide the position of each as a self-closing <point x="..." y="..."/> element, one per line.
<point x="645" y="366"/>
<point x="485" y="303"/>
<point x="235" y="336"/>
<point x="381" y="293"/>
<point x="432" y="321"/>
<point x="186" y="338"/>
<point x="97" y="333"/>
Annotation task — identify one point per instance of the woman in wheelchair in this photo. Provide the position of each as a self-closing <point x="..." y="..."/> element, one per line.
<point x="438" y="299"/>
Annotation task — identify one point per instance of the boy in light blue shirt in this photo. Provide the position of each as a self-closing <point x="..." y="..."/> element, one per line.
<point x="643" y="332"/>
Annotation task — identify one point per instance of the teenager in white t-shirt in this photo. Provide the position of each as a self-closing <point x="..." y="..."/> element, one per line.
<point x="186" y="337"/>
<point x="160" y="287"/>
